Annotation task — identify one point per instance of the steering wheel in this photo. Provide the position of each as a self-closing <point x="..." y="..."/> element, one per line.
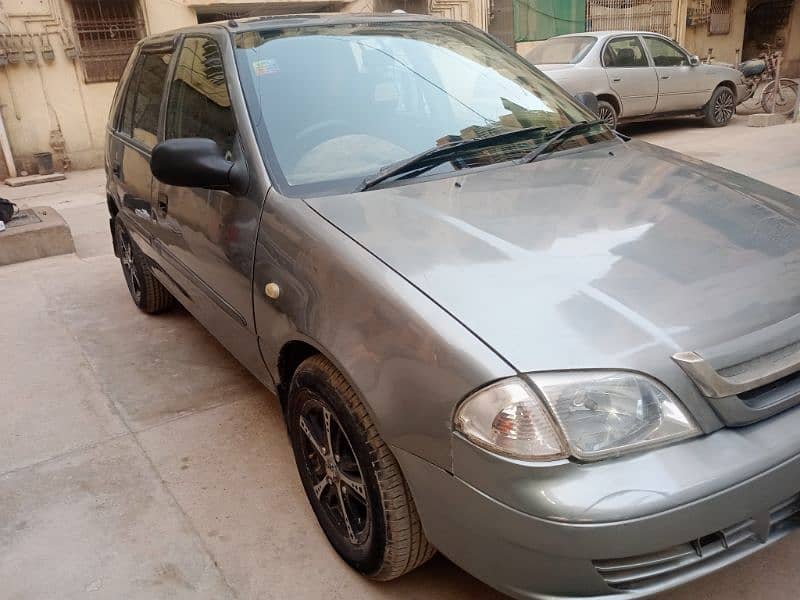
<point x="317" y="133"/>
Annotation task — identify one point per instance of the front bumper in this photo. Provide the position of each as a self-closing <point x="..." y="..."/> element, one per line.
<point x="527" y="555"/>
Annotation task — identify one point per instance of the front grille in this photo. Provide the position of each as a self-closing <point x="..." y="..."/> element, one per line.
<point x="641" y="572"/>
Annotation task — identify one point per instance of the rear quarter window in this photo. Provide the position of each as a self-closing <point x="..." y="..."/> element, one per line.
<point x="142" y="105"/>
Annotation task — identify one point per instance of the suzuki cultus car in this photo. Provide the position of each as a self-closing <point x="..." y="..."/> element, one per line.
<point x="566" y="361"/>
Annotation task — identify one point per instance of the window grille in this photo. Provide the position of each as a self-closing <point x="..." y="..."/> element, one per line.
<point x="643" y="15"/>
<point x="719" y="22"/>
<point x="106" y="31"/>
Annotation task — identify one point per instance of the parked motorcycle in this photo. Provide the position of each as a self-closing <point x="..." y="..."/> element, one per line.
<point x="780" y="93"/>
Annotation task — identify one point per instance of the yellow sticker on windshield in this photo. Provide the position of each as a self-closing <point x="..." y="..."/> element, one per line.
<point x="267" y="66"/>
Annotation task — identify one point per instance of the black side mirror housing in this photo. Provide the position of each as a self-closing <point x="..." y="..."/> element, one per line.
<point x="194" y="162"/>
<point x="588" y="99"/>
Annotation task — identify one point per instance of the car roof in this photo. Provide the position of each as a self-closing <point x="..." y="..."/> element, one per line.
<point x="297" y="20"/>
<point x="609" y="33"/>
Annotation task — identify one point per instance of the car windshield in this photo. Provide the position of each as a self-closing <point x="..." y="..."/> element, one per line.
<point x="562" y="50"/>
<point x="333" y="104"/>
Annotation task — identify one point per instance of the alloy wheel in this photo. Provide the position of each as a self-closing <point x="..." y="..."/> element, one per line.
<point x="129" y="266"/>
<point x="724" y="106"/>
<point x="333" y="471"/>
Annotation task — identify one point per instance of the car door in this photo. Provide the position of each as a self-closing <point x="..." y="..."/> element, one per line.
<point x="630" y="75"/>
<point x="681" y="86"/>
<point x="135" y="136"/>
<point x="207" y="237"/>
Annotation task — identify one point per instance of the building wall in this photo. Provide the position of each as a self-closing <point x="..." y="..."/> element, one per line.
<point x="791" y="66"/>
<point x="47" y="106"/>
<point x="727" y="48"/>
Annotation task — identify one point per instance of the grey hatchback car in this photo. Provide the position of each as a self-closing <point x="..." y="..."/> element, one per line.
<point x="566" y="361"/>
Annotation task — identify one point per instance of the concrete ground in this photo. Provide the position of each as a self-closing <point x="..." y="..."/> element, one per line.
<point x="139" y="460"/>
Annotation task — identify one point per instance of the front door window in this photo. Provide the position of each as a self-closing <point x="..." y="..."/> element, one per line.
<point x="666" y="54"/>
<point x="199" y="104"/>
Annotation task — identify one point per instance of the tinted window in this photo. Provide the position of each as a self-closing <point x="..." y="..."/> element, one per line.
<point x="665" y="54"/>
<point x="624" y="52"/>
<point x="565" y="50"/>
<point x="199" y="103"/>
<point x="143" y="100"/>
<point x="126" y="122"/>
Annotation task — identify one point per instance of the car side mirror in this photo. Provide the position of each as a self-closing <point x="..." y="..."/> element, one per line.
<point x="589" y="100"/>
<point x="193" y="162"/>
<point x="694" y="60"/>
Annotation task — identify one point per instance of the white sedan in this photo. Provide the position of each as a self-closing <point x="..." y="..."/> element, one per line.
<point x="638" y="75"/>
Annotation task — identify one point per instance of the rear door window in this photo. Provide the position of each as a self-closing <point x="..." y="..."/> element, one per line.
<point x="624" y="52"/>
<point x="143" y="101"/>
<point x="199" y="104"/>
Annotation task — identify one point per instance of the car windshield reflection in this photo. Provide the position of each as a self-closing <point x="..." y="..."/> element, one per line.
<point x="336" y="103"/>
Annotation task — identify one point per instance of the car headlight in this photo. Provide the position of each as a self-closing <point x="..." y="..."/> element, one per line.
<point x="595" y="414"/>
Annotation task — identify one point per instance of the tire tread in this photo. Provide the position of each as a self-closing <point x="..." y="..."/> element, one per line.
<point x="406" y="545"/>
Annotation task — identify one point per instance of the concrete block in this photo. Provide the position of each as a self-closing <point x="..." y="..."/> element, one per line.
<point x="45" y="235"/>
<point x="765" y="120"/>
<point x="33" y="179"/>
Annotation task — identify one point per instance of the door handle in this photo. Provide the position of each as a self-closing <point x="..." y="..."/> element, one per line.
<point x="163" y="203"/>
<point x="116" y="169"/>
<point x="617" y="79"/>
<point x="665" y="77"/>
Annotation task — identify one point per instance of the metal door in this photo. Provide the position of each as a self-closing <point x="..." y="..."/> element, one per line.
<point x="680" y="86"/>
<point x="630" y="75"/>
<point x="501" y="21"/>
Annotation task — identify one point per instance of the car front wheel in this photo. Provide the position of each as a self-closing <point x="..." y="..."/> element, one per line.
<point x="721" y="108"/>
<point x="350" y="476"/>
<point x="606" y="111"/>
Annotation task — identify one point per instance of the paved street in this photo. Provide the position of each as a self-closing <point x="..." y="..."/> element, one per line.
<point x="139" y="460"/>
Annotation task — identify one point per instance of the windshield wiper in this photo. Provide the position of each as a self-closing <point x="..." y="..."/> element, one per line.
<point x="432" y="157"/>
<point x="558" y="136"/>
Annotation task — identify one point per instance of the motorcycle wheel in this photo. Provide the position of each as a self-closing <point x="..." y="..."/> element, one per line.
<point x="779" y="100"/>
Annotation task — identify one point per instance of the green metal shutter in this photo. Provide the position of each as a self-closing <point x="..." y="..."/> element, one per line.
<point x="541" y="19"/>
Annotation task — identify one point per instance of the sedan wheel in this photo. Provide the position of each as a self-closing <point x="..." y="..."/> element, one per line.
<point x="606" y="112"/>
<point x="721" y="107"/>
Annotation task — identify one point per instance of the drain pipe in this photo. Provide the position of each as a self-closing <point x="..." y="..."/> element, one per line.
<point x="5" y="148"/>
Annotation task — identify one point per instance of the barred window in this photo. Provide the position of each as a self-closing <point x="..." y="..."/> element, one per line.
<point x="719" y="21"/>
<point x="106" y="32"/>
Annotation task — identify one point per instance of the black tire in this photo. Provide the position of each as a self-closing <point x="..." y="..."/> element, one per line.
<point x="721" y="107"/>
<point x="607" y="112"/>
<point x="338" y="450"/>
<point x="783" y="103"/>
<point x="146" y="291"/>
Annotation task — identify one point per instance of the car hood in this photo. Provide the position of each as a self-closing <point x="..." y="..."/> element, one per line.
<point x="593" y="258"/>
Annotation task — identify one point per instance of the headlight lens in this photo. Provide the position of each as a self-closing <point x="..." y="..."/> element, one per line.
<point x="508" y="418"/>
<point x="597" y="413"/>
<point x="605" y="413"/>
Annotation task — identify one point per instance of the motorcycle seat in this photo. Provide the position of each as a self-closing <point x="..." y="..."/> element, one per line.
<point x="751" y="67"/>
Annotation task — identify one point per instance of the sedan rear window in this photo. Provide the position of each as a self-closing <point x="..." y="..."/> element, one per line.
<point x="562" y="50"/>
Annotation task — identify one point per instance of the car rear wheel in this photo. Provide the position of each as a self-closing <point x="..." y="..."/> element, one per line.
<point x="721" y="107"/>
<point x="607" y="112"/>
<point x="146" y="291"/>
<point x="350" y="476"/>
